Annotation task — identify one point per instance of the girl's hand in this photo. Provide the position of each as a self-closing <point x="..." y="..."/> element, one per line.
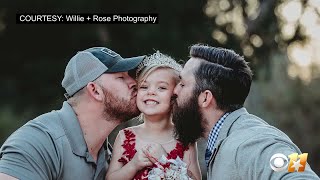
<point x="154" y="152"/>
<point x="140" y="160"/>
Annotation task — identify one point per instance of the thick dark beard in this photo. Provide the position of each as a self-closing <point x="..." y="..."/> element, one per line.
<point x="188" y="121"/>
<point x="119" y="109"/>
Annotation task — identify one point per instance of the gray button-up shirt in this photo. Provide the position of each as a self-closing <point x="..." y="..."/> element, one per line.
<point x="51" y="146"/>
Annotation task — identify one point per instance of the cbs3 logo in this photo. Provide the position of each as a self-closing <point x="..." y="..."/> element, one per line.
<point x="279" y="162"/>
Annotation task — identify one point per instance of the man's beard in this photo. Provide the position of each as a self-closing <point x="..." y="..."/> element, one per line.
<point x="119" y="109"/>
<point x="188" y="121"/>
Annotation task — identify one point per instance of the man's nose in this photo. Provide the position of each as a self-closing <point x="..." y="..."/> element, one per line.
<point x="132" y="83"/>
<point x="176" y="90"/>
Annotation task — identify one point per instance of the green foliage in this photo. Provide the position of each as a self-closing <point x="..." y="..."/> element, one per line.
<point x="254" y="28"/>
<point x="9" y="122"/>
<point x="292" y="106"/>
<point x="36" y="55"/>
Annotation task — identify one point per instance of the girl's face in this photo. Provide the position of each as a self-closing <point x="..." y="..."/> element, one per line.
<point x="154" y="94"/>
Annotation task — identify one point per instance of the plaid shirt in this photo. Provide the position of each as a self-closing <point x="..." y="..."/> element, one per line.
<point x="213" y="137"/>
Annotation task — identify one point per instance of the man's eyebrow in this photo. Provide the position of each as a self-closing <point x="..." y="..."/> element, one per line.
<point x="180" y="77"/>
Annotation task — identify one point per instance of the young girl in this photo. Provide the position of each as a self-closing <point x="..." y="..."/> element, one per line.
<point x="138" y="149"/>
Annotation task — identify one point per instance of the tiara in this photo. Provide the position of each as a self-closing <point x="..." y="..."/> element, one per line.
<point x="158" y="59"/>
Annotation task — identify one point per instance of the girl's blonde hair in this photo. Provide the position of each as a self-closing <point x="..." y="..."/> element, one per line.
<point x="154" y="62"/>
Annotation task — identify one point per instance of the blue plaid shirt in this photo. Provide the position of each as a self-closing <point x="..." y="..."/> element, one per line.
<point x="213" y="137"/>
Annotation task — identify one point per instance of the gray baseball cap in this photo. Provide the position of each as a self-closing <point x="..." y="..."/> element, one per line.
<point x="87" y="65"/>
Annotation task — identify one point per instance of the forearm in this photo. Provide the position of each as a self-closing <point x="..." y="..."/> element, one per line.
<point x="192" y="176"/>
<point x="191" y="158"/>
<point x="126" y="172"/>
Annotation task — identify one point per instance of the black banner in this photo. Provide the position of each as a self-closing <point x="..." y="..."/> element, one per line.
<point x="141" y="18"/>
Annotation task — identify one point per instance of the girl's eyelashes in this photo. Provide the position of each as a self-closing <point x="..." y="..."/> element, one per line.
<point x="160" y="88"/>
<point x="143" y="87"/>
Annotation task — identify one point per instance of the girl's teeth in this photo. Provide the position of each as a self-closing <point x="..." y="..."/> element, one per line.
<point x="151" y="102"/>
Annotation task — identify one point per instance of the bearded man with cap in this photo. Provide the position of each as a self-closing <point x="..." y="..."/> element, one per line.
<point x="70" y="143"/>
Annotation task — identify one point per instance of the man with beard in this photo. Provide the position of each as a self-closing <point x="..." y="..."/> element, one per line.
<point x="214" y="85"/>
<point x="70" y="143"/>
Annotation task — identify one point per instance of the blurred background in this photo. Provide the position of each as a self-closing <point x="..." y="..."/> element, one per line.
<point x="280" y="39"/>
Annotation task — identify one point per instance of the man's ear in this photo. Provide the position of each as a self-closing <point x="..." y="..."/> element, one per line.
<point x="206" y="99"/>
<point x="95" y="91"/>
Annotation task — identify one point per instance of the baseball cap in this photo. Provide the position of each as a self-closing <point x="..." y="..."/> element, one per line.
<point x="89" y="64"/>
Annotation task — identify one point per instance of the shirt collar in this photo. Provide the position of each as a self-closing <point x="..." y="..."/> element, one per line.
<point x="213" y="136"/>
<point x="230" y="120"/>
<point x="73" y="131"/>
